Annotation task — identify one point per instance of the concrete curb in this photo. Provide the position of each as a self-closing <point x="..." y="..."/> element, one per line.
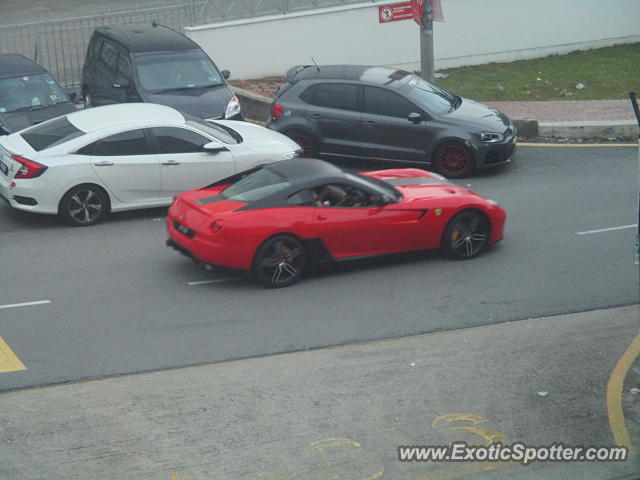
<point x="254" y="106"/>
<point x="258" y="107"/>
<point x="594" y="129"/>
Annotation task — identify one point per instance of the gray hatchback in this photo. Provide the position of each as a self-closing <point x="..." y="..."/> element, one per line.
<point x="389" y="114"/>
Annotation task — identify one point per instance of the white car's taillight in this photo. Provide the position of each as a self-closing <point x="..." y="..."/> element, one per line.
<point x="29" y="168"/>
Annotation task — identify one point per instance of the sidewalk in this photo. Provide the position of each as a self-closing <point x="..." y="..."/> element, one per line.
<point x="603" y="119"/>
<point x="338" y="413"/>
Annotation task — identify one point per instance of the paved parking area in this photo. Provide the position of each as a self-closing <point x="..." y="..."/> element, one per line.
<point x="119" y="301"/>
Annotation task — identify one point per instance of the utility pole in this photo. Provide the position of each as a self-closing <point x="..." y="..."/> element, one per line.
<point x="426" y="42"/>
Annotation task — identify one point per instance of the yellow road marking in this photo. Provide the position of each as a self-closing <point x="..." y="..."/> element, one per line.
<point x="525" y="144"/>
<point x="9" y="361"/>
<point x="614" y="395"/>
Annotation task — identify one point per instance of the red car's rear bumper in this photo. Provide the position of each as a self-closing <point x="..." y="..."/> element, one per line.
<point x="208" y="250"/>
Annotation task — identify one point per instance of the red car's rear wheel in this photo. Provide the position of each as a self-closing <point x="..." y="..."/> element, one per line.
<point x="466" y="235"/>
<point x="280" y="261"/>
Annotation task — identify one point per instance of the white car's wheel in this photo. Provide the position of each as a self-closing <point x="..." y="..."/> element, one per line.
<point x="84" y="205"/>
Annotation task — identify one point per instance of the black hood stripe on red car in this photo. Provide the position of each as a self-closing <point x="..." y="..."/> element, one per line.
<point x="208" y="200"/>
<point x="401" y="182"/>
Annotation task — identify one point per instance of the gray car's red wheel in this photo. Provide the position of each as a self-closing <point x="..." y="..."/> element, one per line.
<point x="84" y="205"/>
<point x="305" y="140"/>
<point x="466" y="235"/>
<point x="453" y="160"/>
<point x="280" y="261"/>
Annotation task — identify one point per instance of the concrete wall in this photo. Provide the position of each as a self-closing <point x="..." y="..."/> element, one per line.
<point x="474" y="32"/>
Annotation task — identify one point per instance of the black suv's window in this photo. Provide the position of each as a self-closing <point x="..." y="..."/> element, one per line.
<point x="94" y="48"/>
<point x="109" y="55"/>
<point x="379" y="101"/>
<point x="332" y="95"/>
<point x="179" y="140"/>
<point x="132" y="142"/>
<point x="124" y="67"/>
<point x="51" y="133"/>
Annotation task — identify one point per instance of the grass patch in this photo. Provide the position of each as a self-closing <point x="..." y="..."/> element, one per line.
<point x="607" y="73"/>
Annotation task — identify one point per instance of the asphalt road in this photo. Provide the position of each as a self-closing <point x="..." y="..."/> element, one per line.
<point x="120" y="301"/>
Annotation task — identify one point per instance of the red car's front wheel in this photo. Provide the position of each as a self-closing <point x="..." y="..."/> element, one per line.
<point x="466" y="235"/>
<point x="280" y="261"/>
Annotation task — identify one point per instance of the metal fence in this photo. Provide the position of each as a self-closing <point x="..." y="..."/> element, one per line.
<point x="217" y="10"/>
<point x="60" y="45"/>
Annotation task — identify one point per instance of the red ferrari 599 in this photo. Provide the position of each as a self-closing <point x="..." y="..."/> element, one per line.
<point x="278" y="219"/>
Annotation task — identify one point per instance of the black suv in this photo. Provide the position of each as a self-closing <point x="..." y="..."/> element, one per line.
<point x="152" y="63"/>
<point x="28" y="94"/>
<point x="385" y="113"/>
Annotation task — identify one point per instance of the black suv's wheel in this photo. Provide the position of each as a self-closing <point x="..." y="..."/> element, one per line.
<point x="280" y="261"/>
<point x="453" y="160"/>
<point x="466" y="235"/>
<point x="84" y="205"/>
<point x="305" y="140"/>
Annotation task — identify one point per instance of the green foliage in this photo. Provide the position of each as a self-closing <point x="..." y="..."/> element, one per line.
<point x="607" y="73"/>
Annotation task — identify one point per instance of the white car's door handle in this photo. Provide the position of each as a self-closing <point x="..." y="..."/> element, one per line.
<point x="171" y="162"/>
<point x="104" y="163"/>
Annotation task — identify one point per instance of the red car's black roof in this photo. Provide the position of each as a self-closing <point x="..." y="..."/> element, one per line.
<point x="301" y="170"/>
<point x="16" y="65"/>
<point x="147" y="38"/>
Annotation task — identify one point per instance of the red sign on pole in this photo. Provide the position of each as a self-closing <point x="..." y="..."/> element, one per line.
<point x="395" y="12"/>
<point x="417" y="10"/>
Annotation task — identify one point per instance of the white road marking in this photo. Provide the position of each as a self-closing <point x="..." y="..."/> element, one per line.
<point x="26" y="304"/>
<point x="611" y="229"/>
<point x="204" y="282"/>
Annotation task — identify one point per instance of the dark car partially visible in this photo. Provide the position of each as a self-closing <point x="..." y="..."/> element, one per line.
<point x="155" y="64"/>
<point x="28" y="94"/>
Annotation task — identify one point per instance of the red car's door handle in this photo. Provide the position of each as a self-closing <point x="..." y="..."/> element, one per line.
<point x="321" y="217"/>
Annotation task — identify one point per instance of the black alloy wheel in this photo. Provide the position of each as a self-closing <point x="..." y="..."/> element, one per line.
<point x="280" y="261"/>
<point x="466" y="235"/>
<point x="84" y="205"/>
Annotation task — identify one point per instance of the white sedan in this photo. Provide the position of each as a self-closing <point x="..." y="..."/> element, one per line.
<point x="126" y="156"/>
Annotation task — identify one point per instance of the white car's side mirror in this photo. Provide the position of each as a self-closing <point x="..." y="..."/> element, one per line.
<point x="213" y="147"/>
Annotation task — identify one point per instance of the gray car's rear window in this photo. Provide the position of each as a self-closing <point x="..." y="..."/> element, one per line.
<point x="49" y="134"/>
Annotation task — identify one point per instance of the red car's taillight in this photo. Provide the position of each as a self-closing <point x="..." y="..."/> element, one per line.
<point x="29" y="168"/>
<point x="276" y="111"/>
<point x="217" y="225"/>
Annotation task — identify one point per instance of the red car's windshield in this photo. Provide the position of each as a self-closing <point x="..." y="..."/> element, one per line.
<point x="255" y="186"/>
